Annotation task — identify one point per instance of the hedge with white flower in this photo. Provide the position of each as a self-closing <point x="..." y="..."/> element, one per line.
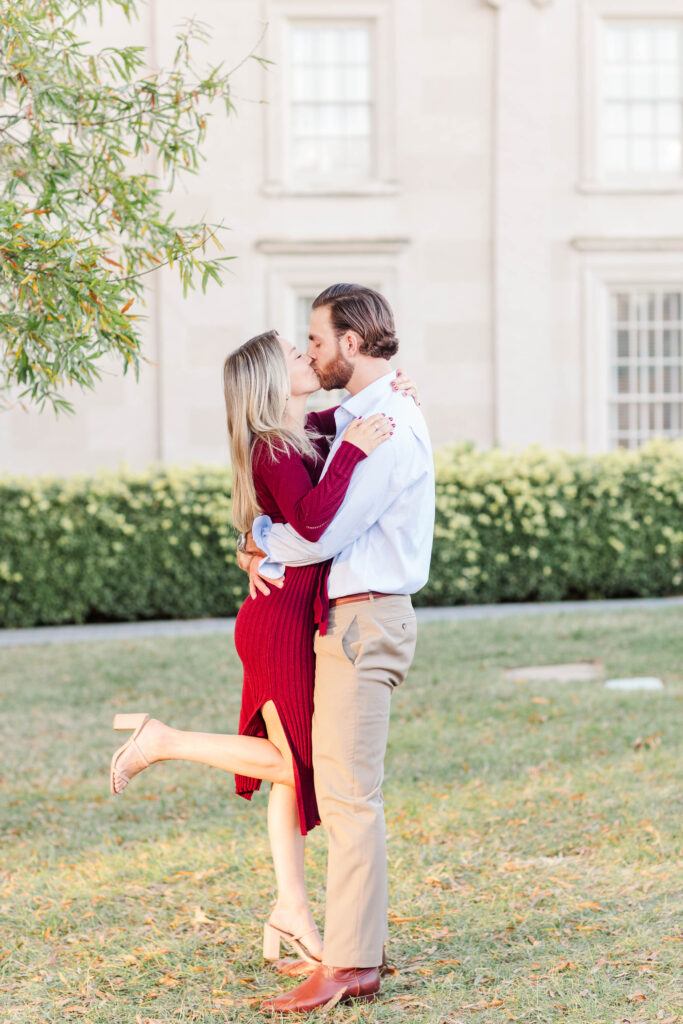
<point x="510" y="526"/>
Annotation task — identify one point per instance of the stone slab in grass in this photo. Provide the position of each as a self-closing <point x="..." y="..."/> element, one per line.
<point x="574" y="672"/>
<point x="635" y="683"/>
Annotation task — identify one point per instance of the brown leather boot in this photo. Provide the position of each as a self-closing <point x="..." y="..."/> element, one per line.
<point x="325" y="984"/>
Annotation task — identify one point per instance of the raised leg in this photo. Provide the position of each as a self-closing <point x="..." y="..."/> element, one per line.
<point x="253" y="756"/>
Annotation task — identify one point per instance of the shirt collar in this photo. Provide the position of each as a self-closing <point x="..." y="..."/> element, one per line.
<point x="365" y="401"/>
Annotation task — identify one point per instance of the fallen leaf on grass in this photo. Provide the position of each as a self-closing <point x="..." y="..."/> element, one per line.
<point x="588" y="904"/>
<point x="200" y="918"/>
<point x="334" y="1000"/>
<point x="440" y="883"/>
<point x="649" y="741"/>
<point x="637" y="997"/>
<point x="540" y="700"/>
<point x="481" y="1006"/>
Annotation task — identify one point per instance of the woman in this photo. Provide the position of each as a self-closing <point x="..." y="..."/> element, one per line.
<point x="277" y="455"/>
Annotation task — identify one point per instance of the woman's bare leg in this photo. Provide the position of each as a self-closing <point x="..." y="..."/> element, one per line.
<point x="291" y="911"/>
<point x="254" y="756"/>
<point x="257" y="758"/>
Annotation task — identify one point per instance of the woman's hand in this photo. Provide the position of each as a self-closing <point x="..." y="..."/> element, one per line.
<point x="368" y="434"/>
<point x="406" y="385"/>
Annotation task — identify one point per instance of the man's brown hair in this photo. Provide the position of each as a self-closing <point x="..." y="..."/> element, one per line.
<point x="363" y="310"/>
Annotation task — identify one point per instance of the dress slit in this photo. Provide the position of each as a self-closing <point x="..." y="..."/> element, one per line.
<point x="246" y="786"/>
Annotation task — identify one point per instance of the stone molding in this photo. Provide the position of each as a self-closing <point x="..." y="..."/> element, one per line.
<point x="501" y="3"/>
<point x="668" y="243"/>
<point x="329" y="246"/>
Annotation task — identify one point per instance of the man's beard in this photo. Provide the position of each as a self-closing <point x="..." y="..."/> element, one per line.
<point x="337" y="374"/>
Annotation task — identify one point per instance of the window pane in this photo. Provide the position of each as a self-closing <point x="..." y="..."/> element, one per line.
<point x="331" y="120"/>
<point x="642" y="155"/>
<point x="669" y="118"/>
<point x="615" y="119"/>
<point x="358" y="120"/>
<point x="615" y="43"/>
<point x="616" y="83"/>
<point x="622" y="344"/>
<point x="642" y="83"/>
<point x="669" y="82"/>
<point x="305" y="119"/>
<point x="616" y="155"/>
<point x="642" y="118"/>
<point x="669" y="155"/>
<point x="358" y="84"/>
<point x="667" y="44"/>
<point x="671" y="344"/>
<point x="306" y="154"/>
<point x="670" y="379"/>
<point x="302" y="45"/>
<point x="330" y="46"/>
<point x="357" y="46"/>
<point x="642" y="44"/>
<point x="303" y="83"/>
<point x="672" y="305"/>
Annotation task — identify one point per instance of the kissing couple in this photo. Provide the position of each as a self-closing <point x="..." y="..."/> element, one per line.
<point x="336" y="510"/>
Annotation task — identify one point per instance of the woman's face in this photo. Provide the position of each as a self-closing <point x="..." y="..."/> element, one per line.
<point x="302" y="379"/>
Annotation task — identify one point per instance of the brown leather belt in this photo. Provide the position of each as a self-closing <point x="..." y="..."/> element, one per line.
<point x="365" y="596"/>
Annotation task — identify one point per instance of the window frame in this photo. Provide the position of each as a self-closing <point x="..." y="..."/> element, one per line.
<point x="607" y="267"/>
<point x="593" y="14"/>
<point x="295" y="269"/>
<point x="308" y="183"/>
<point x="278" y="178"/>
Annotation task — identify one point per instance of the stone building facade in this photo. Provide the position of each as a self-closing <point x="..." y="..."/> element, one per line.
<point x="508" y="172"/>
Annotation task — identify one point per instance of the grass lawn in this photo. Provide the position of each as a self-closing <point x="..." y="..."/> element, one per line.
<point x="535" y="846"/>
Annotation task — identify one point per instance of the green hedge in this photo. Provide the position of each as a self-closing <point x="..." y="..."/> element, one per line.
<point x="533" y="525"/>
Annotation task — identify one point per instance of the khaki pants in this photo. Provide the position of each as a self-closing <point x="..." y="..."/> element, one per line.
<point x="366" y="653"/>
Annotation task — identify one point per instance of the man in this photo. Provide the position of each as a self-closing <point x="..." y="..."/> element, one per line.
<point x="380" y="541"/>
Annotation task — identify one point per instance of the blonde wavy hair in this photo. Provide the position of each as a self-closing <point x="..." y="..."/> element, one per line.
<point x="256" y="388"/>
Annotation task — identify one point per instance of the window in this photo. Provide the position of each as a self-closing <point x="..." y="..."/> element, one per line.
<point x="646" y="372"/>
<point x="304" y="304"/>
<point x="331" y="104"/>
<point x="641" y="119"/>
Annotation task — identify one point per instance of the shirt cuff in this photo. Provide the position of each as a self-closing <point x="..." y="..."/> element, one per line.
<point x="260" y="531"/>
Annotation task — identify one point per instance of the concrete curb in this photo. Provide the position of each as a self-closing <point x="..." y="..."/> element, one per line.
<point x="200" y="627"/>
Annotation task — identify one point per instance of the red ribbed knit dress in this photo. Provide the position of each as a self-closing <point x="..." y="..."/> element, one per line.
<point x="274" y="634"/>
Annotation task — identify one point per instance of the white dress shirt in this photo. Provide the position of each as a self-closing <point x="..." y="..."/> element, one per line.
<point x="381" y="537"/>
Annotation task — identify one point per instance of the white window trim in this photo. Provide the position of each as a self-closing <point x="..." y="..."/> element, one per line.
<point x="591" y="14"/>
<point x="605" y="269"/>
<point x="278" y="14"/>
<point x="295" y="271"/>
